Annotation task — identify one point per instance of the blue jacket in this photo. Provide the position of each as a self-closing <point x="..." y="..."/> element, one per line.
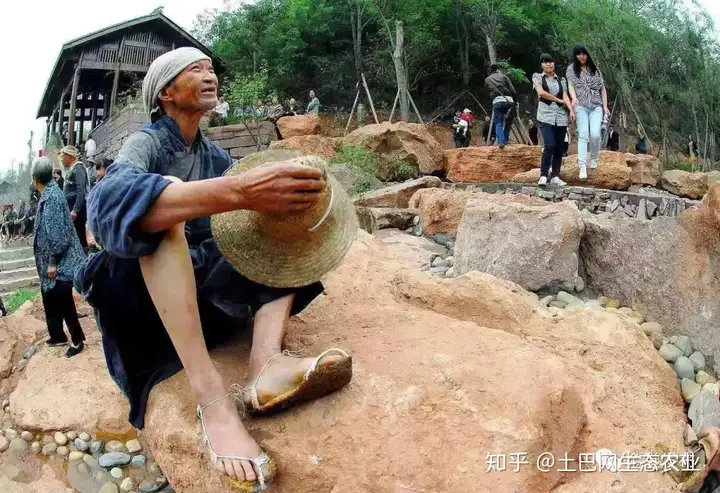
<point x="56" y="242"/>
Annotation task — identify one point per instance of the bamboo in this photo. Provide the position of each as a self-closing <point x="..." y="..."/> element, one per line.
<point x="367" y="91"/>
<point x="490" y="130"/>
<point x="412" y="101"/>
<point x="352" y="112"/>
<point x="392" y="113"/>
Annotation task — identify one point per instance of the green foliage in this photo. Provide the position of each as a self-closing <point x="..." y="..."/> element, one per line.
<point x="246" y="90"/>
<point x="363" y="162"/>
<point x="18" y="299"/>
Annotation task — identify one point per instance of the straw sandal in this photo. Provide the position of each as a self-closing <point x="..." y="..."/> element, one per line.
<point x="263" y="464"/>
<point x="319" y="381"/>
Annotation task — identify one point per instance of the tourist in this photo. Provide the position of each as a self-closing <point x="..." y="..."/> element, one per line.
<point x="503" y="92"/>
<point x="692" y="147"/>
<point x="470" y="119"/>
<point x="90" y="148"/>
<point x="64" y="133"/>
<point x="75" y="189"/>
<point x="533" y="132"/>
<point x="8" y="225"/>
<point x="58" y="177"/>
<point x="314" y="104"/>
<point x="275" y="112"/>
<point x="292" y="108"/>
<point x="58" y="255"/>
<point x="641" y="146"/>
<point x="589" y="99"/>
<point x="22" y="215"/>
<point x="554" y="114"/>
<point x="91" y="172"/>
<point x="459" y="129"/>
<point x="221" y="110"/>
<point x="102" y="167"/>
<point x="164" y="292"/>
<point x="613" y="143"/>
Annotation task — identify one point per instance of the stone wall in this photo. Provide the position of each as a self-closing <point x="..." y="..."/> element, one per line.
<point x="241" y="140"/>
<point x="626" y="204"/>
<point x="112" y="133"/>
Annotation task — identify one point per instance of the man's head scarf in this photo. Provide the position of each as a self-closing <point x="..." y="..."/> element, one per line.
<point x="162" y="72"/>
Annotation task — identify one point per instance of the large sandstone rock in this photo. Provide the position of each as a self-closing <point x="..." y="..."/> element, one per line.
<point x="533" y="243"/>
<point x="440" y="209"/>
<point x="612" y="173"/>
<point x="490" y="164"/>
<point x="445" y="372"/>
<point x="309" y="145"/>
<point x="57" y="393"/>
<point x="396" y="142"/>
<point x="397" y="195"/>
<point x="667" y="268"/>
<point x="295" y="126"/>
<point x="646" y="169"/>
<point x="690" y="185"/>
<point x="373" y="219"/>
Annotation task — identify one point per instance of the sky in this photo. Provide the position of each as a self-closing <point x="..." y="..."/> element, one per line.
<point x="33" y="31"/>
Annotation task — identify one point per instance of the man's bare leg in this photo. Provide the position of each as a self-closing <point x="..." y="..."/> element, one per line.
<point x="170" y="280"/>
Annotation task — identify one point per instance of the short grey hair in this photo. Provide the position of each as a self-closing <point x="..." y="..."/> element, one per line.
<point x="42" y="170"/>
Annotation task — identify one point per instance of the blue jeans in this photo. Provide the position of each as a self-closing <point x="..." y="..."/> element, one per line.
<point x="502" y="131"/>
<point x="589" y="124"/>
<point x="554" y="138"/>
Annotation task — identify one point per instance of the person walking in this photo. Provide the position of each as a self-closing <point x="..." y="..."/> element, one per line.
<point x="554" y="113"/>
<point x="503" y="92"/>
<point x="75" y="189"/>
<point x="58" y="256"/>
<point x="468" y="117"/>
<point x="589" y="100"/>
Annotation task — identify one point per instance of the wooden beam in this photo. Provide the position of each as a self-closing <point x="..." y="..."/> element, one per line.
<point x="147" y="50"/>
<point x="73" y="106"/>
<point x="81" y="133"/>
<point x="116" y="80"/>
<point x="94" y="110"/>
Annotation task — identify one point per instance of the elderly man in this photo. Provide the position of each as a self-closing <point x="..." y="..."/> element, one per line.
<point x="75" y="188"/>
<point x="58" y="256"/>
<point x="164" y="293"/>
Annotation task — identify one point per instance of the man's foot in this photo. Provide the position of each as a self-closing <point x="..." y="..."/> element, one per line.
<point x="542" y="181"/>
<point x="557" y="181"/>
<point x="74" y="350"/>
<point x="583" y="172"/>
<point x="51" y="343"/>
<point x="228" y="437"/>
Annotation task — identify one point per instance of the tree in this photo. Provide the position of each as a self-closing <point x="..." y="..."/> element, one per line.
<point x="359" y="19"/>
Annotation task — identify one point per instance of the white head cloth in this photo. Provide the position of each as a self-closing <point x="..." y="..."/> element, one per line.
<point x="162" y="72"/>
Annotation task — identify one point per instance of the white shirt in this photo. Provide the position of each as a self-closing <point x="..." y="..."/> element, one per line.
<point x="222" y="109"/>
<point x="90" y="148"/>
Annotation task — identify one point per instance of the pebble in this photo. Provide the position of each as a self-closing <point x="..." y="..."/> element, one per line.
<point x="85" y="437"/>
<point x="154" y="468"/>
<point x="35" y="448"/>
<point x="27" y="436"/>
<point x="30" y="352"/>
<point x="127" y="485"/>
<point x="116" y="473"/>
<point x="689" y="389"/>
<point x="689" y="436"/>
<point x="60" y="438"/>
<point x="698" y="360"/>
<point x="5" y="403"/>
<point x="72" y="435"/>
<point x="570" y="300"/>
<point x="114" y="459"/>
<point x="450" y="272"/>
<point x="437" y="270"/>
<point x="579" y="284"/>
<point x="49" y="449"/>
<point x="547" y="300"/>
<point x="114" y="446"/>
<point x="90" y="460"/>
<point x="683" y="342"/>
<point x="638" y="317"/>
<point x="153" y="485"/>
<point x="450" y="260"/>
<point x="442" y="239"/>
<point x="555" y="311"/>
<point x="139" y="461"/>
<point x="102" y="477"/>
<point x="133" y="447"/>
<point x="83" y="468"/>
<point x="673" y="339"/>
<point x="657" y="340"/>
<point x="63" y="451"/>
<point x="97" y="447"/>
<point x="21" y="365"/>
<point x="670" y="353"/>
<point x="704" y="377"/>
<point x="47" y="439"/>
<point x="11" y="434"/>
<point x="684" y="368"/>
<point x="4" y="444"/>
<point x="712" y="387"/>
<point x="81" y="445"/>
<point x="416" y="220"/>
<point x="558" y="304"/>
<point x="626" y="311"/>
<point x="75" y="456"/>
<point x="438" y="262"/>
<point x="651" y="328"/>
<point x="604" y="300"/>
<point x="593" y="304"/>
<point x="109" y="487"/>
<point x="18" y="445"/>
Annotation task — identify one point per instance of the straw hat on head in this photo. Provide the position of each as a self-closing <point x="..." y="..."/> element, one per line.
<point x="292" y="250"/>
<point x="70" y="151"/>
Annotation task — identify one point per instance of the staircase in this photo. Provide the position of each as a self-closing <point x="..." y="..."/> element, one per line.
<point x="17" y="267"/>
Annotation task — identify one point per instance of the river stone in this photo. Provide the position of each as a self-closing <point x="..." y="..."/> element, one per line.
<point x="442" y="239"/>
<point x="712" y="387"/>
<point x="96" y="447"/>
<point x="114" y="446"/>
<point x="84" y="437"/>
<point x="579" y="284"/>
<point x="75" y="456"/>
<point x="102" y="477"/>
<point x="684" y="344"/>
<point x="704" y="377"/>
<point x="626" y="311"/>
<point x="11" y="434"/>
<point x="570" y="300"/>
<point x="27" y="436"/>
<point x="593" y="304"/>
<point x="657" y="340"/>
<point x="139" y="461"/>
<point x="689" y="436"/>
<point x="558" y="304"/>
<point x="90" y="460"/>
<point x="109" y="487"/>
<point x="30" y="352"/>
<point x="72" y="435"/>
<point x="153" y="485"/>
<point x="35" y="448"/>
<point x="698" y="360"/>
<point x="670" y="353"/>
<point x="684" y="368"/>
<point x="83" y="468"/>
<point x="673" y="339"/>
<point x="18" y="445"/>
<point x="154" y="468"/>
<point x="116" y="473"/>
<point x="638" y="317"/>
<point x="4" y="444"/>
<point x="127" y="485"/>
<point x="60" y="438"/>
<point x="133" y="447"/>
<point x="651" y="328"/>
<point x="63" y="451"/>
<point x="114" y="459"/>
<point x="49" y="449"/>
<point x="439" y="262"/>
<point x="47" y="439"/>
<point x="81" y="445"/>
<point x="704" y="411"/>
<point x="689" y="389"/>
<point x="613" y="304"/>
<point x="547" y="300"/>
<point x="604" y="300"/>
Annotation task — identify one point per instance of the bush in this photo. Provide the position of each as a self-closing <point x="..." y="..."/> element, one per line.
<point x="18" y="299"/>
<point x="363" y="162"/>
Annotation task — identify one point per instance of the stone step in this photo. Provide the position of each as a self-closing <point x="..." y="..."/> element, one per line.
<point x="15" y="253"/>
<point x="13" y="274"/>
<point x="17" y="264"/>
<point x="15" y="284"/>
<point x="22" y="242"/>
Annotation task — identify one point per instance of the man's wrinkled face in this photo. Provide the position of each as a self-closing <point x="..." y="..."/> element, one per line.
<point x="195" y="89"/>
<point x="67" y="160"/>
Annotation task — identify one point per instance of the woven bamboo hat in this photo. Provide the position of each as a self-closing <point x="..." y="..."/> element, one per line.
<point x="292" y="250"/>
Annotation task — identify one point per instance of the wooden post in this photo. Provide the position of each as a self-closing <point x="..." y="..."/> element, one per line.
<point x="352" y="111"/>
<point x="490" y="130"/>
<point x="116" y="80"/>
<point x="106" y="106"/>
<point x="412" y="101"/>
<point x="146" y="60"/>
<point x="367" y="91"/>
<point x="94" y="110"/>
<point x="392" y="113"/>
<point x="81" y="133"/>
<point x="61" y="113"/>
<point x="73" y="105"/>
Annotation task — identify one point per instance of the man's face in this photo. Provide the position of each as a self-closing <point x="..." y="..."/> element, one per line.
<point x="195" y="89"/>
<point x="67" y="160"/>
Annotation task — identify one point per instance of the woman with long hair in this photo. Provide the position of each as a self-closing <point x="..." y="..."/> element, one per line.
<point x="589" y="99"/>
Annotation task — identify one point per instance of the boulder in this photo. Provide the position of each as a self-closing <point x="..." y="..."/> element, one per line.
<point x="57" y="393"/>
<point x="667" y="268"/>
<point x="298" y="126"/>
<point x="612" y="173"/>
<point x="685" y="184"/>
<point x="396" y="142"/>
<point x="309" y="145"/>
<point x="397" y="195"/>
<point x="440" y="209"/>
<point x="646" y="169"/>
<point x="432" y="359"/>
<point x="490" y="164"/>
<point x="528" y="241"/>
<point x="373" y="219"/>
<point x="413" y="251"/>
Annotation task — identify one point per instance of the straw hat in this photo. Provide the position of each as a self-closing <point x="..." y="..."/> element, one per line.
<point x="70" y="151"/>
<point x="292" y="250"/>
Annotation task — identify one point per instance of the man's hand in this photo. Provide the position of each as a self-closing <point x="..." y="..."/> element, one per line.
<point x="73" y="215"/>
<point x="280" y="188"/>
<point x="52" y="272"/>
